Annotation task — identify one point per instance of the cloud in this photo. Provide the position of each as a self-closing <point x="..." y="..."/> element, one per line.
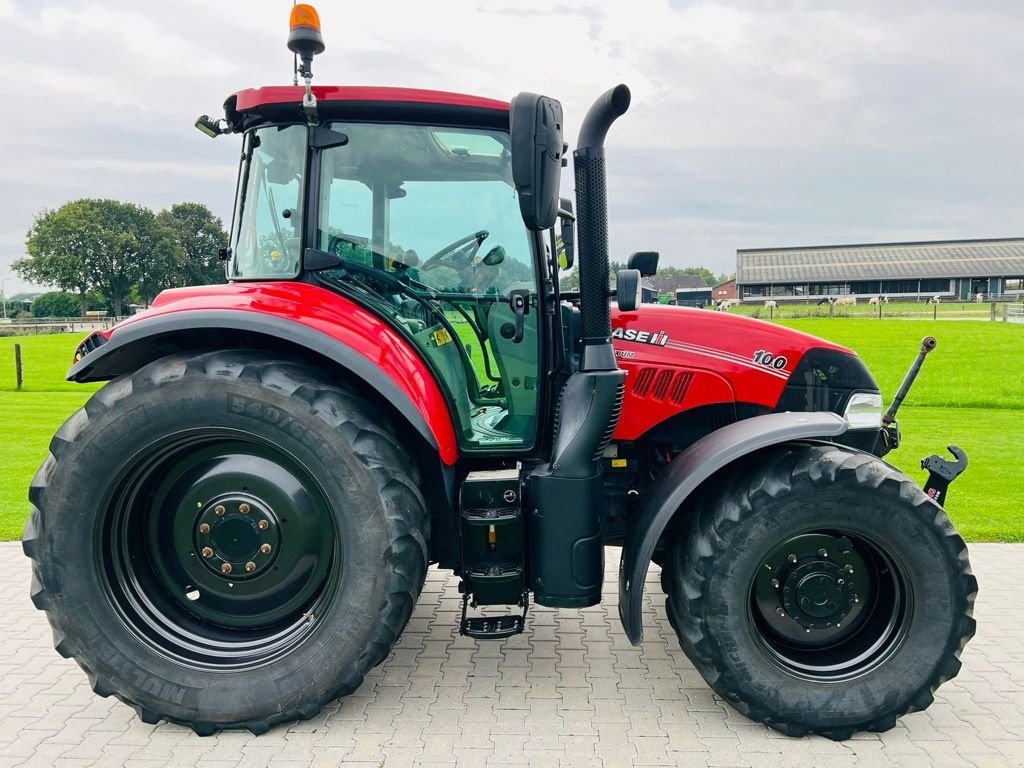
<point x="753" y="123"/>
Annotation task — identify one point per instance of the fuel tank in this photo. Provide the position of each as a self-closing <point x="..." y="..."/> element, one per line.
<point x="679" y="359"/>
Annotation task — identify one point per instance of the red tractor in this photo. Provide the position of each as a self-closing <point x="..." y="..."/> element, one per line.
<point x="236" y="528"/>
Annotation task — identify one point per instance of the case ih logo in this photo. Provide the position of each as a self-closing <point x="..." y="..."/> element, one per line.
<point x="657" y="338"/>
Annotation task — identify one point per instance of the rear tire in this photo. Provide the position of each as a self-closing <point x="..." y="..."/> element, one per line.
<point x="829" y="643"/>
<point x="226" y="540"/>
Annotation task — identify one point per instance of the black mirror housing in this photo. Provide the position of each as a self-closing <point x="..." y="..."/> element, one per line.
<point x="628" y="289"/>
<point x="535" y="124"/>
<point x="568" y="234"/>
<point x="644" y="261"/>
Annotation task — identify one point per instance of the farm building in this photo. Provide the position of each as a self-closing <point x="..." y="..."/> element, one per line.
<point x="954" y="270"/>
<point x="724" y="291"/>
<point x="692" y="291"/>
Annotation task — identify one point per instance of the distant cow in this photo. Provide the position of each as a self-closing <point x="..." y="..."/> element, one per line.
<point x="874" y="301"/>
<point x="826" y="300"/>
<point x="845" y="301"/>
<point x="723" y="306"/>
<point x="772" y="304"/>
<point x="979" y="298"/>
<point x="935" y="300"/>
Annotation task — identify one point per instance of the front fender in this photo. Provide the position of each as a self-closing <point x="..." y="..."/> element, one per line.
<point x="685" y="474"/>
<point x="320" y="324"/>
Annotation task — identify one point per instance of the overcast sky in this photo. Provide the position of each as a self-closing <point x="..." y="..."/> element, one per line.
<point x="753" y="123"/>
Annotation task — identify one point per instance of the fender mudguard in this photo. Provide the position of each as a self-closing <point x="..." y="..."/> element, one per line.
<point x="283" y="316"/>
<point x="685" y="474"/>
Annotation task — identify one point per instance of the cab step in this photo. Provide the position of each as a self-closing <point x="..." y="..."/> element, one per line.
<point x="493" y="627"/>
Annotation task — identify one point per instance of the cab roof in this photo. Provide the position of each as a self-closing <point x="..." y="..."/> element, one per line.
<point x="254" y="98"/>
<point x="279" y="104"/>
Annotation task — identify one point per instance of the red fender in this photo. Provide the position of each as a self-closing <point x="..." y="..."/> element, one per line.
<point x="316" y="310"/>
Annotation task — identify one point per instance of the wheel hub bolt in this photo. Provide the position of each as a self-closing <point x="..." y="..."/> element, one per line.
<point x="263" y="524"/>
<point x="219" y="510"/>
<point x="775" y="583"/>
<point x="244" y="508"/>
<point x="250" y="567"/>
<point x="225" y="568"/>
<point x="780" y="612"/>
<point x="204" y="528"/>
<point x="848" y="569"/>
<point x="822" y="552"/>
<point x="265" y="549"/>
<point x="207" y="552"/>
<point x="792" y="558"/>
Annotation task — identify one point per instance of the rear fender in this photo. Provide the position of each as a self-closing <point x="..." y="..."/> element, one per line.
<point x="684" y="475"/>
<point x="358" y="343"/>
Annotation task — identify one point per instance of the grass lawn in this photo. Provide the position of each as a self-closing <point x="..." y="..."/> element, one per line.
<point x="971" y="392"/>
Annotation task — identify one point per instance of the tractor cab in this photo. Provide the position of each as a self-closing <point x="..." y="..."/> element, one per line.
<point x="411" y="210"/>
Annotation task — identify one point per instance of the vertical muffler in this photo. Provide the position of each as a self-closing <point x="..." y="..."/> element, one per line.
<point x="567" y="501"/>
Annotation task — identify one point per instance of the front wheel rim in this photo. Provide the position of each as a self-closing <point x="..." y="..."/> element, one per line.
<point x="218" y="549"/>
<point x="830" y="605"/>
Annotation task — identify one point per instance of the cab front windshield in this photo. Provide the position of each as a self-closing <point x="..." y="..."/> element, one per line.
<point x="426" y="221"/>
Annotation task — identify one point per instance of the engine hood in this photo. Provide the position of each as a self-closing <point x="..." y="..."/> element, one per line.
<point x="678" y="358"/>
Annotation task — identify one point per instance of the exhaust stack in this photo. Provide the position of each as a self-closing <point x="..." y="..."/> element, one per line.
<point x="567" y="500"/>
<point x="592" y="226"/>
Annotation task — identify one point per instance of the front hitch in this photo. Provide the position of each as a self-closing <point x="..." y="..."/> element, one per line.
<point x="889" y="435"/>
<point x="942" y="472"/>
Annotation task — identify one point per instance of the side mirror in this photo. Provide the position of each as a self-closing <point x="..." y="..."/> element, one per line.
<point x="644" y="261"/>
<point x="535" y="123"/>
<point x="568" y="234"/>
<point x="627" y="289"/>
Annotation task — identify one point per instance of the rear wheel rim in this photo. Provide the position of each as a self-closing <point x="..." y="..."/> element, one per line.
<point x="218" y="549"/>
<point x="830" y="605"/>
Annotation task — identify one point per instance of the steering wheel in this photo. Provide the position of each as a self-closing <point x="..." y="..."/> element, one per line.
<point x="458" y="254"/>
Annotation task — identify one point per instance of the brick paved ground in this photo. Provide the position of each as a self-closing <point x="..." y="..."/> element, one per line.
<point x="571" y="691"/>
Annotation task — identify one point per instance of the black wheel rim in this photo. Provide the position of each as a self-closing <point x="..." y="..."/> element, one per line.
<point x="218" y="549"/>
<point x="830" y="605"/>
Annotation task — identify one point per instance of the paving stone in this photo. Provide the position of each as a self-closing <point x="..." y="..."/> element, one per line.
<point x="571" y="691"/>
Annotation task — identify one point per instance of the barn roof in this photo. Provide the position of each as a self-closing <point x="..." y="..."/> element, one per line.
<point x="882" y="261"/>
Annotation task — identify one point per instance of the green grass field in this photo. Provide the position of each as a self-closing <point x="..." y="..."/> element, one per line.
<point x="971" y="393"/>
<point x="863" y="310"/>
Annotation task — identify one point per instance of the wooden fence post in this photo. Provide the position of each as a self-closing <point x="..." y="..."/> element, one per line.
<point x="935" y="311"/>
<point x="992" y="311"/>
<point x="17" y="364"/>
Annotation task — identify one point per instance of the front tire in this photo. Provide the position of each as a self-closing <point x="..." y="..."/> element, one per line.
<point x="821" y="592"/>
<point x="226" y="540"/>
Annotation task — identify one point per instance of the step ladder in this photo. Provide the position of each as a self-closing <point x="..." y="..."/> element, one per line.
<point x="493" y="565"/>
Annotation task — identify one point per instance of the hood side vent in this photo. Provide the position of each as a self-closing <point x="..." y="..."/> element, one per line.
<point x="662" y="384"/>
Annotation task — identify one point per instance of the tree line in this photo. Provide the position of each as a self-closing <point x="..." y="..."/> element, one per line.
<point x="117" y="253"/>
<point x="571" y="281"/>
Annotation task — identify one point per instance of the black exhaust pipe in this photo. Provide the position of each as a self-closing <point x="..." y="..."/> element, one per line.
<point x="592" y="225"/>
<point x="567" y="497"/>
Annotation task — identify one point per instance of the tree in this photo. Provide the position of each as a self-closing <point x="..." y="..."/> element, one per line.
<point x="56" y="304"/>
<point x="104" y="245"/>
<point x="200" y="235"/>
<point x="570" y="281"/>
<point x="60" y="244"/>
